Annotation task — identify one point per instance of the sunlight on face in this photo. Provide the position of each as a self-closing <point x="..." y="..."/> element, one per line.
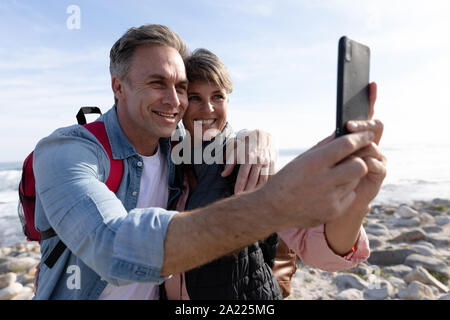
<point x="207" y="109"/>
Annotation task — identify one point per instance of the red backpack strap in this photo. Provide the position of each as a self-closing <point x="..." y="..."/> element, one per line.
<point x="97" y="128"/>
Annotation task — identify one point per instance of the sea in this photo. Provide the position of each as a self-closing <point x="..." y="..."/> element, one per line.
<point x="417" y="172"/>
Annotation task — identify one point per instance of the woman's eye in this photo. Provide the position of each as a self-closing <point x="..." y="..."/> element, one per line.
<point x="219" y="97"/>
<point x="194" y="98"/>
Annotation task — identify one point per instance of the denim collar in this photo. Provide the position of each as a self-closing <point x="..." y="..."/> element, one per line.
<point x="121" y="147"/>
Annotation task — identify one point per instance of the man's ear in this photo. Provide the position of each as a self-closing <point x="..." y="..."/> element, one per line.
<point x="117" y="87"/>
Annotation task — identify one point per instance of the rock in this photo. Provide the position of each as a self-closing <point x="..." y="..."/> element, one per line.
<point x="397" y="282"/>
<point x="410" y="236"/>
<point x="350" y="294"/>
<point x="361" y="269"/>
<point x="32" y="271"/>
<point x="388" y="257"/>
<point x="5" y="251"/>
<point x="442" y="220"/>
<point x="376" y="232"/>
<point x="423" y="250"/>
<point x="348" y="281"/>
<point x="30" y="285"/>
<point x="416" y="291"/>
<point x="376" y="229"/>
<point x="438" y="240"/>
<point x="19" y="247"/>
<point x="441" y="202"/>
<point x="375" y="243"/>
<point x="25" y="279"/>
<point x="429" y="263"/>
<point x="432" y="229"/>
<point x="425" y="217"/>
<point x="422" y="275"/>
<point x="379" y="290"/>
<point x="7" y="279"/>
<point x="11" y="291"/>
<point x="389" y="210"/>
<point x="5" y="259"/>
<point x="445" y="297"/>
<point x="407" y="212"/>
<point x="426" y="244"/>
<point x="18" y="265"/>
<point x="399" y="270"/>
<point x="25" y="294"/>
<point x="405" y="222"/>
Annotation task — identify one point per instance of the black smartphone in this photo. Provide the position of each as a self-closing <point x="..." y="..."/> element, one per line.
<point x="352" y="83"/>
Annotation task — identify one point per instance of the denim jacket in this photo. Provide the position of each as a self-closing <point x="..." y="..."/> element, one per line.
<point x="108" y="240"/>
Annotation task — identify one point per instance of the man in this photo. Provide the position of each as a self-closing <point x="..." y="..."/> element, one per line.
<point x="121" y="246"/>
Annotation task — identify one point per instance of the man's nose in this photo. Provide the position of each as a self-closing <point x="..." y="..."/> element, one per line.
<point x="171" y="97"/>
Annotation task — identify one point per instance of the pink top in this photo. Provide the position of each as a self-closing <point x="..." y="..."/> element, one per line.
<point x="309" y="244"/>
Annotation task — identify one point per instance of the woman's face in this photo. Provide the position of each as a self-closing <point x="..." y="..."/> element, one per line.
<point x="207" y="110"/>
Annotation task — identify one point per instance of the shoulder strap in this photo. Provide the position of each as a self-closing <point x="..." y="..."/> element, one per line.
<point x="98" y="129"/>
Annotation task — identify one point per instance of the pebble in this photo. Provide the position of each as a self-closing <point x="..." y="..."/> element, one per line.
<point x="7" y="279"/>
<point x="376" y="229"/>
<point x="432" y="229"/>
<point x="416" y="291"/>
<point x="361" y="269"/>
<point x="397" y="282"/>
<point x="10" y="291"/>
<point x="422" y="275"/>
<point x="25" y="294"/>
<point x="348" y="281"/>
<point x="445" y="297"/>
<point x="426" y="244"/>
<point x="379" y="290"/>
<point x="407" y="212"/>
<point x="442" y="220"/>
<point x="405" y="222"/>
<point x="425" y="217"/>
<point x="387" y="257"/>
<point x="410" y="236"/>
<point x="398" y="271"/>
<point x="18" y="265"/>
<point x="374" y="243"/>
<point x="429" y="263"/>
<point x="438" y="240"/>
<point x="423" y="250"/>
<point x="350" y="294"/>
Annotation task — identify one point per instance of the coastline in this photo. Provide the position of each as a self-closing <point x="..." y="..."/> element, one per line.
<point x="410" y="258"/>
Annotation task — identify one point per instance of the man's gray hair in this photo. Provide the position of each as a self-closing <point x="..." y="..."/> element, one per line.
<point x="122" y="51"/>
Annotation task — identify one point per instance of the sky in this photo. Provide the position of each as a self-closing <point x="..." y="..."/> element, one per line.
<point x="282" y="57"/>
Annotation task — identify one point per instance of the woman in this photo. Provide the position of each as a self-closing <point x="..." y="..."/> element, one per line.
<point x="246" y="274"/>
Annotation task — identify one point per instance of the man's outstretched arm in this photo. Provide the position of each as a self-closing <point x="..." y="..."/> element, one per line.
<point x="310" y="190"/>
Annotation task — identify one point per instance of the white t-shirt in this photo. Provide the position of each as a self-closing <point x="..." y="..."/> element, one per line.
<point x="153" y="192"/>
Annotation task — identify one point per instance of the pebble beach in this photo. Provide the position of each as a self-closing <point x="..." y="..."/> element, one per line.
<point x="409" y="260"/>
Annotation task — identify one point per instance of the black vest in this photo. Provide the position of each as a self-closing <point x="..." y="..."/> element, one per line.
<point x="243" y="275"/>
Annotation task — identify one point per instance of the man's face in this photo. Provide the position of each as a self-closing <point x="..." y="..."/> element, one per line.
<point x="154" y="94"/>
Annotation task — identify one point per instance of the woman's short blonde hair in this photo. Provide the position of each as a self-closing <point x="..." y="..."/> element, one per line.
<point x="203" y="65"/>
